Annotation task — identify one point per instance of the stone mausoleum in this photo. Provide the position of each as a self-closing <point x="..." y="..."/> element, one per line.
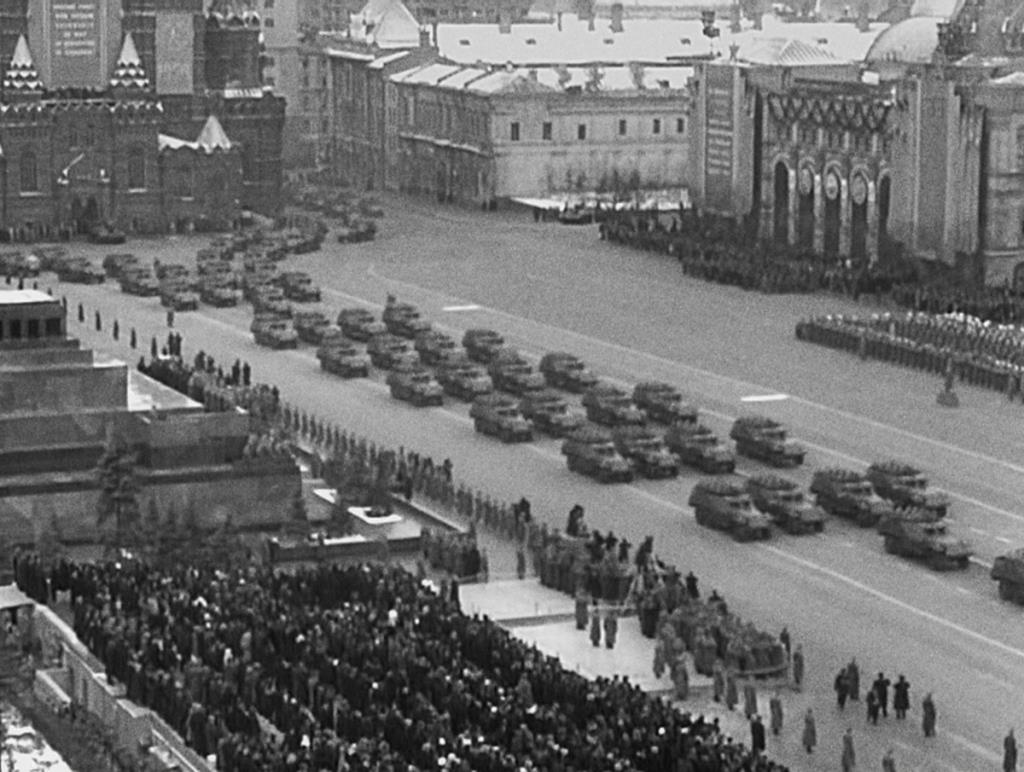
<point x="59" y="406"/>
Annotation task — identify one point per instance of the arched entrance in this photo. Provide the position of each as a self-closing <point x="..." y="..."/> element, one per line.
<point x="781" y="212"/>
<point x="85" y="213"/>
<point x="859" y="217"/>
<point x="805" y="209"/>
<point x="832" y="188"/>
<point x="884" y="197"/>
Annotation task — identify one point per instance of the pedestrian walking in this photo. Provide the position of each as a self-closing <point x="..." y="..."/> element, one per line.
<point x="246" y="374"/>
<point x="928" y="715"/>
<point x="21" y="282"/>
<point x="731" y="692"/>
<point x="170" y="317"/>
<point x="798" y="667"/>
<point x="611" y="628"/>
<point x="757" y="740"/>
<point x="873" y="707"/>
<point x="784" y="640"/>
<point x="1010" y="752"/>
<point x="133" y="339"/>
<point x="881" y="687"/>
<point x="81" y="313"/>
<point x="810" y="735"/>
<point x="582" y="599"/>
<point x="853" y="679"/>
<point x="521" y="573"/>
<point x="99" y="322"/>
<point x="888" y="762"/>
<point x="775" y="713"/>
<point x="116" y="330"/>
<point x="717" y="681"/>
<point x="901" y="697"/>
<point x="849" y="757"/>
<point x="595" y="624"/>
<point x="153" y="347"/>
<point x="681" y="679"/>
<point x="841" y="688"/>
<point x="64" y="302"/>
<point x="749" y="700"/>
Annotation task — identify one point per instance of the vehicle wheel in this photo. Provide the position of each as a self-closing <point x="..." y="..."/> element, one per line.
<point x="890" y="545"/>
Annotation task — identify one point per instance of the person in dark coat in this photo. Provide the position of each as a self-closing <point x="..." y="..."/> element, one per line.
<point x="849" y="757"/>
<point x="798" y="667"/>
<point x="775" y="713"/>
<point x="757" y="739"/>
<point x="881" y="687"/>
<point x="611" y="628"/>
<point x="853" y="679"/>
<point x="873" y="707"/>
<point x="1010" y="752"/>
<point x="901" y="697"/>
<point x="928" y="715"/>
<point x="595" y="624"/>
<point x="810" y="734"/>
<point x="784" y="639"/>
<point x="841" y="688"/>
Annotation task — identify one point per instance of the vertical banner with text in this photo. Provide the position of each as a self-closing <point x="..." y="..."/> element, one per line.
<point x="75" y="34"/>
<point x="719" y="136"/>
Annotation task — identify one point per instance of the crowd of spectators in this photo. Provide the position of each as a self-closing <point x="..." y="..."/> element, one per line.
<point x="357" y="668"/>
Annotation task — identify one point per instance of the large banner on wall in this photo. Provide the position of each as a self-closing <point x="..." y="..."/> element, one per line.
<point x="718" y="138"/>
<point x="75" y="37"/>
<point x="175" y="52"/>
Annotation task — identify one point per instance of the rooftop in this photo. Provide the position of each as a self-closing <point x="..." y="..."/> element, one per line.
<point x="518" y="80"/>
<point x="24" y="296"/>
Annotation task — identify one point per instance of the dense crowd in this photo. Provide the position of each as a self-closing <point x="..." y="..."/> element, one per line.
<point x="358" y="668"/>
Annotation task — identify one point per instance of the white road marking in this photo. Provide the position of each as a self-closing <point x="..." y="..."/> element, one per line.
<point x="1003" y="540"/>
<point x="979" y="562"/>
<point x="980" y="531"/>
<point x="981" y="750"/>
<point x="765" y="398"/>
<point x="470" y="307"/>
<point x="962" y="590"/>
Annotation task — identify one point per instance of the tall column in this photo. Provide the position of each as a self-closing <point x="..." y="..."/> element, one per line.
<point x="819" y="213"/>
<point x="872" y="213"/>
<point x="845" y="213"/>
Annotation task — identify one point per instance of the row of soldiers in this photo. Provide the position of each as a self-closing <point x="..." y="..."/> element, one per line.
<point x="456" y="553"/>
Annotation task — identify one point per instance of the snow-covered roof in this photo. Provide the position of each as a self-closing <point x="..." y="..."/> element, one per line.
<point x="385" y="24"/>
<point x="380" y="62"/>
<point x="1013" y="79"/>
<point x="211" y="138"/>
<point x="911" y="41"/>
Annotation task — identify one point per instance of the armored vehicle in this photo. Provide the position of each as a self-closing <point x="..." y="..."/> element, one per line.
<point x="589" y="450"/>
<point x="141" y="282"/>
<point x="764" y="439"/>
<point x="726" y="506"/>
<point x="219" y="294"/>
<point x="434" y="346"/>
<point x="358" y="229"/>
<point x="275" y="332"/>
<point x="404" y="319"/>
<point x="338" y="356"/>
<point x="1008" y="570"/>
<point x="499" y="416"/>
<point x="912" y="534"/>
<point x="610" y="406"/>
<point x="550" y="413"/>
<point x="645" y="449"/>
<point x="482" y="345"/>
<point x="388" y="351"/>
<point x="298" y="285"/>
<point x="697" y="446"/>
<point x="905" y="486"/>
<point x="170" y="270"/>
<point x="106" y="233"/>
<point x="415" y="384"/>
<point x="175" y="294"/>
<point x="784" y="502"/>
<point x="463" y="379"/>
<point x="848" y="494"/>
<point x="511" y="373"/>
<point x="663" y="403"/>
<point x="310" y="325"/>
<point x="566" y="371"/>
<point x="114" y="265"/>
<point x="78" y="270"/>
<point x="359" y="324"/>
<point x="270" y="297"/>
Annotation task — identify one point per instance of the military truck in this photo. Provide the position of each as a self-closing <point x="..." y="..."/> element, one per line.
<point x="1008" y="570"/>
<point x="403" y="319"/>
<point x="415" y="384"/>
<point x="589" y="450"/>
<point x="310" y="325"/>
<point x="697" y="446"/>
<point x="566" y="371"/>
<point x="270" y="297"/>
<point x="298" y="286"/>
<point x="218" y="293"/>
<point x="388" y="351"/>
<point x="550" y="413"/>
<point x="762" y="438"/>
<point x="905" y="486"/>
<point x="611" y="406"/>
<point x="663" y="403"/>
<point x="646" y="451"/>
<point x="726" y="506"/>
<point x="913" y="534"/>
<point x="274" y="332"/>
<point x="512" y="373"/>
<point x="434" y="346"/>
<point x="339" y="357"/>
<point x="78" y="270"/>
<point x="359" y="324"/>
<point x="114" y="265"/>
<point x="482" y="345"/>
<point x="463" y="379"/>
<point x="499" y="416"/>
<point x="175" y="294"/>
<point x="139" y="281"/>
<point x="784" y="502"/>
<point x="848" y="494"/>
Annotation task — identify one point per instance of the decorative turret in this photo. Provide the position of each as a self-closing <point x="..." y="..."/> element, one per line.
<point x="22" y="78"/>
<point x="129" y="74"/>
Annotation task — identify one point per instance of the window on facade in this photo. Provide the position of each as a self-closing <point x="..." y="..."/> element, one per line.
<point x="680" y="125"/>
<point x="268" y="22"/>
<point x="29" y="173"/>
<point x="136" y="169"/>
<point x="269" y="61"/>
<point x="514" y="131"/>
<point x="14" y="328"/>
<point x="33" y="328"/>
<point x="545" y="130"/>
<point x="622" y="127"/>
<point x="581" y="131"/>
<point x="656" y="126"/>
<point x="53" y="327"/>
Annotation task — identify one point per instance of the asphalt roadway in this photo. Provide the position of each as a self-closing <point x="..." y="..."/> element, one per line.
<point x="633" y="316"/>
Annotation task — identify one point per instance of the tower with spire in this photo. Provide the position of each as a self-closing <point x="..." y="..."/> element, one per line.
<point x="129" y="76"/>
<point x="21" y="79"/>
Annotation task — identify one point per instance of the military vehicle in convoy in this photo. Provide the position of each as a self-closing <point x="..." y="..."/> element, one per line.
<point x="550" y="413"/>
<point x="388" y="351"/>
<point x="415" y="384"/>
<point x="404" y="320"/>
<point x="762" y="438"/>
<point x="140" y="281"/>
<point x="905" y="486"/>
<point x="913" y="534"/>
<point x="610" y="406"/>
<point x="310" y="325"/>
<point x="273" y="331"/>
<point x="78" y="270"/>
<point x="115" y="264"/>
<point x="298" y="286"/>
<point x="356" y="230"/>
<point x="663" y="403"/>
<point x="784" y="502"/>
<point x="166" y="271"/>
<point x="512" y="373"/>
<point x="590" y="450"/>
<point x="848" y="494"/>
<point x="337" y="355"/>
<point x="270" y="297"/>
<point x="726" y="506"/>
<point x="359" y="324"/>
<point x="434" y="346"/>
<point x="499" y="416"/>
<point x="175" y="294"/>
<point x="646" y="451"/>
<point x="218" y="293"/>
<point x="566" y="371"/>
<point x="482" y="345"/>
<point x="463" y="379"/>
<point x="697" y="446"/>
<point x="1008" y="570"/>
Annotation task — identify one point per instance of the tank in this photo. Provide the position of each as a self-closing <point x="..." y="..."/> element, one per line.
<point x="697" y="446"/>
<point x="275" y="333"/>
<point x="610" y="406"/>
<point x="763" y="439"/>
<point x="359" y="324"/>
<point x="646" y="450"/>
<point x="1008" y="571"/>
<point x="590" y="451"/>
<point x="416" y="385"/>
<point x="663" y="403"/>
<point x="310" y="325"/>
<point x="482" y="345"/>
<point x="338" y="356"/>
<point x="434" y="347"/>
<point x="848" y="494"/>
<point x="512" y="373"/>
<point x="912" y="534"/>
<point x="388" y="351"/>
<point x="498" y="415"/>
<point x="218" y="294"/>
<point x="566" y="371"/>
<point x="787" y="506"/>
<point x="463" y="379"/>
<point x="299" y="286"/>
<point x="403" y="319"/>
<point x="725" y="506"/>
<point x="905" y="486"/>
<point x="550" y="413"/>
